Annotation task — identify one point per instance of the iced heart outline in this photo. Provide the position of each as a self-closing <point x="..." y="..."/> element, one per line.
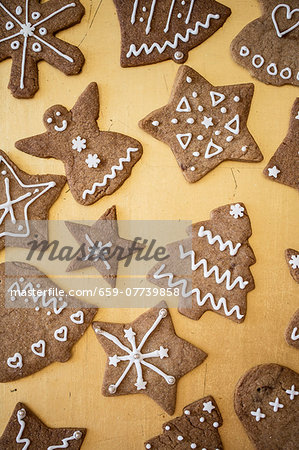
<point x="78" y="317"/>
<point x="289" y="16"/>
<point x="15" y="361"/>
<point x="61" y="331"/>
<point x="40" y="344"/>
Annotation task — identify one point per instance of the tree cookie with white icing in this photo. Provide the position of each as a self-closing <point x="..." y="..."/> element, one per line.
<point x="27" y="35"/>
<point x="146" y="357"/>
<point x="153" y="31"/>
<point x="211" y="268"/>
<point x="204" y="124"/>
<point x="267" y="404"/>
<point x="283" y="167"/>
<point x="196" y="428"/>
<point x="268" y="47"/>
<point x="96" y="162"/>
<point x="26" y="429"/>
<point x="292" y="332"/>
<point x="292" y="259"/>
<point x="38" y="325"/>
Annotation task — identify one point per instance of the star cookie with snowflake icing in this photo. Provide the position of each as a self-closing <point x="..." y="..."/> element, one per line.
<point x="292" y="259"/>
<point x="196" y="428"/>
<point x="146" y="357"/>
<point x="292" y="331"/>
<point x="211" y="268"/>
<point x="268" y="46"/>
<point x="24" y="203"/>
<point x="153" y="31"/>
<point x="266" y="403"/>
<point x="49" y="324"/>
<point x="96" y="162"/>
<point x="103" y="247"/>
<point x="27" y="35"/>
<point x="284" y="164"/>
<point x="26" y="429"/>
<point x="204" y="124"/>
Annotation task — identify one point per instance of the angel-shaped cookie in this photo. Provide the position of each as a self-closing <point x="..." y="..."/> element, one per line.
<point x="96" y="162"/>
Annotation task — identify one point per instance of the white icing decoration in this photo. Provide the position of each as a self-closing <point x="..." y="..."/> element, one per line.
<point x="79" y="144"/>
<point x="134" y="355"/>
<point x="236" y="99"/>
<point x="97" y="251"/>
<point x="200" y="108"/>
<point x="289" y="15"/>
<point x="187" y="412"/>
<point x="233" y="250"/>
<point x="297" y="117"/>
<point x="236" y="211"/>
<point x="223" y="110"/>
<point x="133" y="16"/>
<point x="207" y="122"/>
<point x="199" y="137"/>
<point x="276" y="405"/>
<point x="244" y="51"/>
<point x="194" y="94"/>
<point x="167" y="428"/>
<point x="258" y="414"/>
<point x="178" y="37"/>
<point x="295" y="335"/>
<point x="92" y="161"/>
<point x="236" y="121"/>
<point x="9" y="25"/>
<point x="294" y="261"/>
<point x="111" y="175"/>
<point x="144" y="9"/>
<point x="180" y="438"/>
<point x="215" y="424"/>
<point x="189" y="80"/>
<point x="19" y="10"/>
<point x="39" y="348"/>
<point x="193" y="445"/>
<point x="196" y="154"/>
<point x="43" y="31"/>
<point x="179" y="137"/>
<point x="179" y="16"/>
<point x="77" y="318"/>
<point x="217" y="132"/>
<point x="217" y="148"/>
<point x="15" y="45"/>
<point x="155" y="123"/>
<point x="63" y="126"/>
<point x="61" y="334"/>
<point x="208" y="406"/>
<point x="21" y="414"/>
<point x="183" y="105"/>
<point x="7" y="206"/>
<point x="244" y="148"/>
<point x="272" y="69"/>
<point x="192" y="169"/>
<point x="150" y="17"/>
<point x="288" y="72"/>
<point x="141" y="19"/>
<point x="216" y="98"/>
<point x="259" y="64"/>
<point x="36" y="47"/>
<point x="76" y="436"/>
<point x="15" y="361"/>
<point x="229" y="138"/>
<point x="148" y="446"/>
<point x="35" y="15"/>
<point x="202" y="419"/>
<point x="273" y="171"/>
<point x="292" y="392"/>
<point x="189" y="12"/>
<point x="175" y="121"/>
<point x="49" y="120"/>
<point x="190" y="120"/>
<point x="179" y="55"/>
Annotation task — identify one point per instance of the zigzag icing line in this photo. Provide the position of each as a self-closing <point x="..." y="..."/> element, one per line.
<point x="233" y="250"/>
<point x="19" y="438"/>
<point x="64" y="441"/>
<point x="215" y="269"/>
<point x="111" y="175"/>
<point x="200" y="301"/>
<point x="178" y="36"/>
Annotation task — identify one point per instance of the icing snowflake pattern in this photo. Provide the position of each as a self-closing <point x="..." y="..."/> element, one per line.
<point x="294" y="261"/>
<point x="236" y="211"/>
<point x="79" y="144"/>
<point x="93" y="161"/>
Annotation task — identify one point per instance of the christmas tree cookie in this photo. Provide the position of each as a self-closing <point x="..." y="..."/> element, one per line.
<point x="27" y="35"/>
<point x="210" y="268"/>
<point x="266" y="402"/>
<point x="154" y="31"/>
<point x="96" y="162"/>
<point x="292" y="259"/>
<point x="26" y="431"/>
<point x="204" y="124"/>
<point x="25" y="201"/>
<point x="292" y="332"/>
<point x="283" y="166"/>
<point x="47" y="323"/>
<point x="146" y="356"/>
<point x="196" y="428"/>
<point x="268" y="46"/>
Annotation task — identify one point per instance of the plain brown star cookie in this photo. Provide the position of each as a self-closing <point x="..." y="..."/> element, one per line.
<point x="204" y="124"/>
<point x="292" y="332"/>
<point x="96" y="162"/>
<point x="146" y="356"/>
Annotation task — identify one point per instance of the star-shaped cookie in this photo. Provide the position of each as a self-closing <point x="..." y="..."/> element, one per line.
<point x="283" y="167"/>
<point x="25" y="201"/>
<point x="96" y="162"/>
<point x="204" y="125"/>
<point x="146" y="356"/>
<point x="268" y="46"/>
<point x="292" y="331"/>
<point x="292" y="259"/>
<point x="103" y="246"/>
<point x="27" y="35"/>
<point x="25" y="430"/>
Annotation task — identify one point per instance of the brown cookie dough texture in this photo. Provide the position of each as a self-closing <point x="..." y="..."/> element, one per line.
<point x="156" y="30"/>
<point x="25" y="201"/>
<point x="96" y="162"/>
<point x="38" y="327"/>
<point x="146" y="357"/>
<point x="25" y="430"/>
<point x="211" y="268"/>
<point x="27" y="35"/>
<point x="204" y="124"/>
<point x="283" y="167"/>
<point x="268" y="47"/>
<point x="196" y="428"/>
<point x="292" y="259"/>
<point x="267" y="404"/>
<point x="292" y="332"/>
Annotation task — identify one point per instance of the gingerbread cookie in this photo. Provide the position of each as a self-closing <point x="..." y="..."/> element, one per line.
<point x="268" y="46"/>
<point x="27" y="35"/>
<point x="292" y="259"/>
<point x="211" y="267"/>
<point x="103" y="247"/>
<point x="204" y="125"/>
<point x="25" y="201"/>
<point x="146" y="356"/>
<point x="284" y="164"/>
<point x="292" y="332"/>
<point x="96" y="162"/>
<point x="266" y="402"/>
<point x="196" y="428"/>
<point x="49" y="323"/>
<point x="25" y="429"/>
<point x="153" y="31"/>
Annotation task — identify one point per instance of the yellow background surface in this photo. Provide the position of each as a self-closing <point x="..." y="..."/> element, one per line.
<point x="70" y="394"/>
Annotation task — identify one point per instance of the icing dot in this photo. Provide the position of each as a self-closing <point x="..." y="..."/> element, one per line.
<point x="77" y="435"/>
<point x="192" y="168"/>
<point x="163" y="313"/>
<point x="36" y="47"/>
<point x="36" y="191"/>
<point x="179" y="15"/>
<point x="190" y="120"/>
<point x="298" y="76"/>
<point x="21" y="279"/>
<point x="244" y="148"/>
<point x="236" y="99"/>
<point x="22" y="413"/>
<point x="148" y="446"/>
<point x="12" y="298"/>
<point x="155" y="123"/>
<point x="202" y="419"/>
<point x="38" y="286"/>
<point x="26" y="300"/>
<point x="257" y="63"/>
<point x="175" y="121"/>
<point x="244" y="51"/>
<point x="215" y="424"/>
<point x="35" y="15"/>
<point x="229" y="138"/>
<point x="187" y="412"/>
<point x="179" y="55"/>
<point x="286" y="71"/>
<point x="171" y="380"/>
<point x="112" y="389"/>
<point x="194" y="94"/>
<point x="36" y="308"/>
<point x="193" y="445"/>
<point x="189" y="80"/>
<point x="167" y="428"/>
<point x="43" y="31"/>
<point x="15" y="45"/>
<point x="20" y="227"/>
<point x="217" y="132"/>
<point x="49" y="120"/>
<point x="200" y="137"/>
<point x="183" y="2"/>
<point x="58" y="113"/>
<point x="200" y="108"/>
<point x="48" y="313"/>
<point x="3" y="172"/>
<point x="180" y="438"/>
<point x="196" y="154"/>
<point x="9" y="26"/>
<point x="144" y="9"/>
<point x="141" y="19"/>
<point x="19" y="10"/>
<point x="223" y="110"/>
